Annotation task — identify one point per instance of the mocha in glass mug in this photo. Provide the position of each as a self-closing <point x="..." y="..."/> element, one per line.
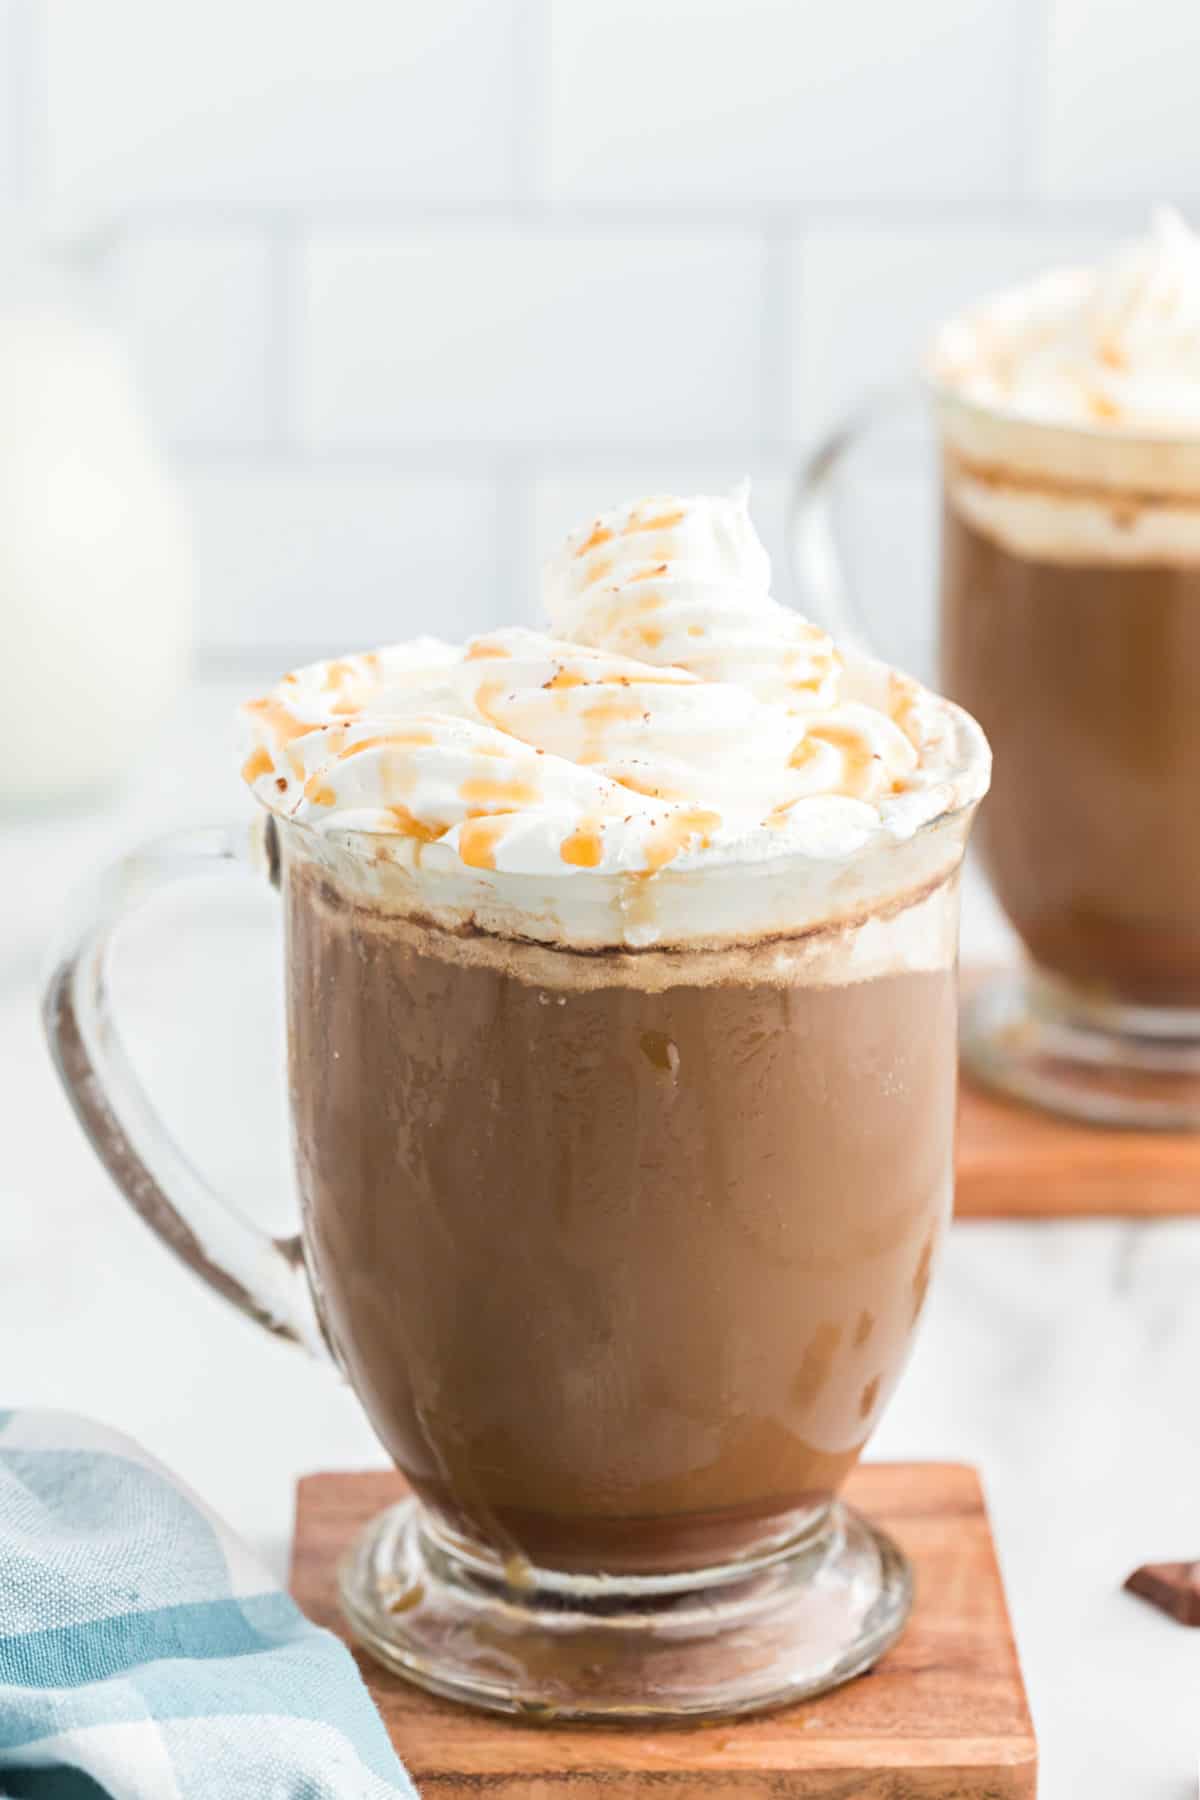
<point x="1070" y="628"/>
<point x="623" y="1255"/>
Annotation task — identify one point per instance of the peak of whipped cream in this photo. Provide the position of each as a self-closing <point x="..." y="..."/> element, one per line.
<point x="679" y="717"/>
<point x="1115" y="348"/>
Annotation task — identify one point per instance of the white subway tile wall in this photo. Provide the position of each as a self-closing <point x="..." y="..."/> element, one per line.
<point x="303" y="556"/>
<point x="526" y="337"/>
<point x="10" y="99"/>
<point x="275" y="103"/>
<point x="1122" y="107"/>
<point x="411" y="286"/>
<point x="770" y="102"/>
<point x="196" y="310"/>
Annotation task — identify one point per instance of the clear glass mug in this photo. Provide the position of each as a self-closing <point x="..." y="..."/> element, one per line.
<point x="1070" y="628"/>
<point x="623" y="1254"/>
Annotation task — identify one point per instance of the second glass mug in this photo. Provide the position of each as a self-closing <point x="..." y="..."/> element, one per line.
<point x="623" y="1274"/>
<point x="1070" y="628"/>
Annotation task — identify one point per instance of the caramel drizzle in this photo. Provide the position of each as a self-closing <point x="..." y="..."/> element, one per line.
<point x="387" y="740"/>
<point x="1102" y="407"/>
<point x="663" y="521"/>
<point x="677" y="834"/>
<point x="257" y="763"/>
<point x="584" y="847"/>
<point x="567" y="677"/>
<point x="598" y="570"/>
<point x="642" y="784"/>
<point x="342" y="674"/>
<point x="822" y="660"/>
<point x="478" y="838"/>
<point x="282" y="724"/>
<point x="486" y="694"/>
<point x="618" y="613"/>
<point x="487" y="791"/>
<point x="860" y="758"/>
<point x="600" y="535"/>
<point x="611" y="710"/>
<point x="408" y="825"/>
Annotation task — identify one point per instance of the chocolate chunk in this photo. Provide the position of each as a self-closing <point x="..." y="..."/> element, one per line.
<point x="1173" y="1587"/>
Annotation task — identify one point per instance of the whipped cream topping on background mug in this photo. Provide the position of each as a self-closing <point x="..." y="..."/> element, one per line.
<point x="1116" y="347"/>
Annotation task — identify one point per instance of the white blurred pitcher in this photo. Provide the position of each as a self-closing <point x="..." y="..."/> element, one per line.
<point x="94" y="561"/>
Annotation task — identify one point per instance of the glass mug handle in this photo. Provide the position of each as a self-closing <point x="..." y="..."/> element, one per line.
<point x="262" y="1275"/>
<point x="818" y="567"/>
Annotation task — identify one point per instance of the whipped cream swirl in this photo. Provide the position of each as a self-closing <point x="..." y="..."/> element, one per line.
<point x="680" y="717"/>
<point x="688" y="583"/>
<point x="1116" y="347"/>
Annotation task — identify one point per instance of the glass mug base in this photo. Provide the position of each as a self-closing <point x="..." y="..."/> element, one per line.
<point x="1028" y="1036"/>
<point x="544" y="1645"/>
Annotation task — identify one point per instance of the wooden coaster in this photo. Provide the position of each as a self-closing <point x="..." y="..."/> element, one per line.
<point x="1015" y="1162"/>
<point x="942" y="1717"/>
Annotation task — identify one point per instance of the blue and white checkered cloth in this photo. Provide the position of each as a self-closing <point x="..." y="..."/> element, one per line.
<point x="143" y="1653"/>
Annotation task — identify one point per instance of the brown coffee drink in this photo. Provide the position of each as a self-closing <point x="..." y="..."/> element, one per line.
<point x="623" y="1252"/>
<point x="1086" y="677"/>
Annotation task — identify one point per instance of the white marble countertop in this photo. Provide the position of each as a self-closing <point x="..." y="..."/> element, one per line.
<point x="1062" y="1359"/>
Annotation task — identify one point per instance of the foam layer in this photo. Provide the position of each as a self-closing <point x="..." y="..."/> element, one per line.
<point x="915" y="933"/>
<point x="1030" y="511"/>
<point x="567" y="771"/>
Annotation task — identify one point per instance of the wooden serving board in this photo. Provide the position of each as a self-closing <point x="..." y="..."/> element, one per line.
<point x="1015" y="1162"/>
<point x="942" y="1717"/>
<point x="1018" y="1162"/>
